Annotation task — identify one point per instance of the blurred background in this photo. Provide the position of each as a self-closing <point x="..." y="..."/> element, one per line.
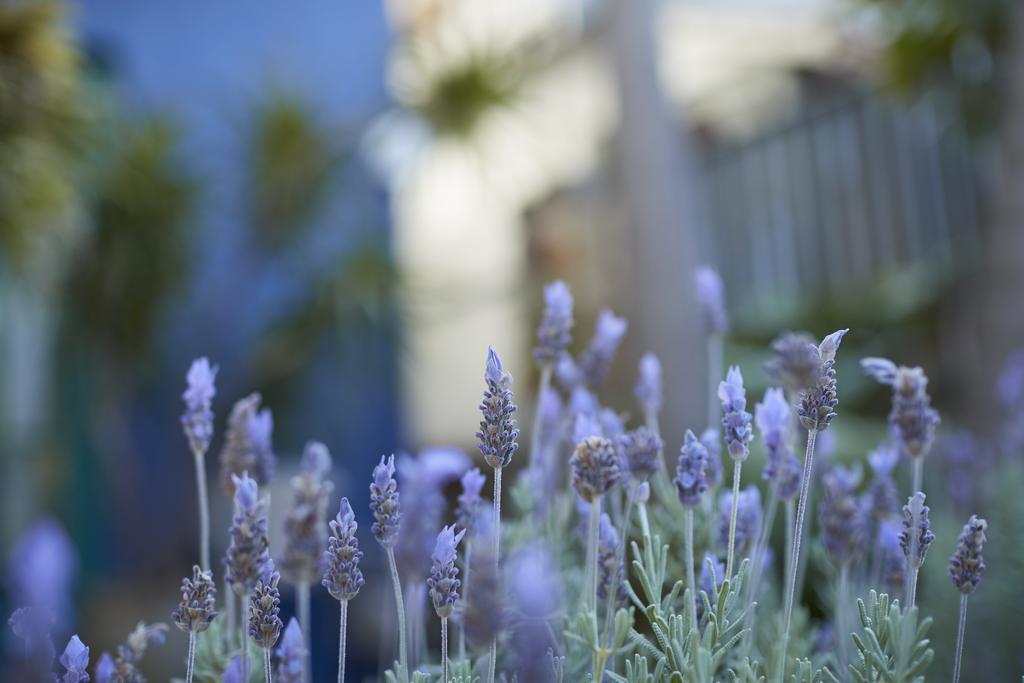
<point x="343" y="203"/>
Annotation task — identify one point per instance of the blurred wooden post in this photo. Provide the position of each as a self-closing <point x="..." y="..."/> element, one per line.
<point x="664" y="214"/>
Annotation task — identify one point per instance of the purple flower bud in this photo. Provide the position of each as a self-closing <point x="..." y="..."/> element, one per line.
<point x="735" y="418"/>
<point x="342" y="577"/>
<point x="384" y="503"/>
<point x="611" y="567"/>
<point x="104" y="671"/>
<point x="748" y="518"/>
<point x="691" y="479"/>
<point x="131" y="652"/>
<point x="197" y="421"/>
<point x="912" y="419"/>
<point x="796" y="362"/>
<point x="845" y="525"/>
<point x="585" y="426"/>
<point x="196" y="610"/>
<point x="567" y="372"/>
<point x="265" y="608"/>
<point x="554" y="331"/>
<point x="291" y="654"/>
<point x="648" y="384"/>
<point x="595" y="467"/>
<point x="305" y="526"/>
<point x="75" y="661"/>
<point x="498" y="433"/>
<point x="596" y="360"/>
<point x="469" y="500"/>
<point x="641" y="449"/>
<point x="612" y="425"/>
<point x="710" y="295"/>
<point x="773" y="418"/>
<point x="711" y="440"/>
<point x="443" y="581"/>
<point x="818" y="402"/>
<point x="247" y="443"/>
<point x="966" y="564"/>
<point x="248" y="552"/>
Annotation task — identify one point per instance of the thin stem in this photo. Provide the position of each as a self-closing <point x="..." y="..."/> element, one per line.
<point x="842" y="600"/>
<point x="204" y="511"/>
<point x="758" y="560"/>
<point x="190" y="664"/>
<point x="465" y="591"/>
<point x="545" y="383"/>
<point x="245" y="641"/>
<point x="732" y="518"/>
<point x="302" y="597"/>
<point x="801" y="511"/>
<point x="267" y="672"/>
<point x="229" y="602"/>
<point x="403" y="658"/>
<point x="788" y="560"/>
<point x="917" y="474"/>
<point x="911" y="589"/>
<point x="709" y="511"/>
<point x="714" y="377"/>
<point x="960" y="638"/>
<point x="492" y="664"/>
<point x="645" y="527"/>
<point x="342" y="628"/>
<point x="444" y="650"/>
<point x="691" y="583"/>
<point x="589" y="597"/>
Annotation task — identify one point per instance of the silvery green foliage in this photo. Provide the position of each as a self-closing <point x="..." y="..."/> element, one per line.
<point x="892" y="644"/>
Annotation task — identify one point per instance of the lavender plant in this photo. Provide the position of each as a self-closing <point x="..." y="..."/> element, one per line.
<point x="196" y="611"/>
<point x="965" y="569"/>
<point x="387" y="515"/>
<point x="247" y="447"/>
<point x="249" y="551"/>
<point x="75" y="660"/>
<point x="342" y="577"/>
<point x="197" y="423"/>
<point x="554" y="334"/>
<point x="292" y="654"/>
<point x="264" y="615"/>
<point x="915" y="538"/>
<point x="691" y="485"/>
<point x="444" y="585"/>
<point x="738" y="435"/>
<point x="710" y="295"/>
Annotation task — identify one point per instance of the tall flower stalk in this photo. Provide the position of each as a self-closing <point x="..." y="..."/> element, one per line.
<point x="691" y="484"/>
<point x="816" y="411"/>
<point x="554" y="333"/>
<point x="466" y="514"/>
<point x="195" y="612"/>
<point x="248" y="554"/>
<point x="342" y="577"/>
<point x="965" y="569"/>
<point x="497" y="443"/>
<point x="595" y="469"/>
<point x="197" y="423"/>
<point x="738" y="434"/>
<point x="444" y="585"/>
<point x="264" y="616"/>
<point x="915" y="538"/>
<point x="710" y="295"/>
<point x="387" y="515"/>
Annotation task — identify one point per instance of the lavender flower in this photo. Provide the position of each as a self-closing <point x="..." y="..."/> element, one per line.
<point x="788" y="476"/>
<point x="498" y="431"/>
<point x="32" y="626"/>
<point x="882" y="495"/>
<point x="711" y="440"/>
<point x="844" y="522"/>
<point x="196" y="610"/>
<point x="710" y="295"/>
<point x="131" y="652"/>
<point x="554" y="331"/>
<point x="966" y="564"/>
<point x="691" y="478"/>
<point x="648" y="384"/>
<point x="535" y="595"/>
<point x="611" y="566"/>
<point x="735" y="420"/>
<point x="247" y="443"/>
<point x="387" y="514"/>
<point x="612" y="424"/>
<point x="640" y="449"/>
<point x="197" y="421"/>
<point x="42" y="568"/>
<point x="291" y="654"/>
<point x="104" y="671"/>
<point x="796" y="362"/>
<point x="469" y="500"/>
<point x="265" y="608"/>
<point x="342" y="577"/>
<point x="248" y="552"/>
<point x="915" y="523"/>
<point x="912" y="419"/>
<point x="443" y="581"/>
<point x="305" y="526"/>
<point x="75" y="661"/>
<point x="818" y="403"/>
<point x="748" y="518"/>
<point x="891" y="559"/>
<point x="483" y="613"/>
<point x="596" y="360"/>
<point x="773" y="419"/>
<point x="595" y="467"/>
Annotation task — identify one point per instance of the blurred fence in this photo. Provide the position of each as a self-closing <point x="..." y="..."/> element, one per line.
<point x="839" y="196"/>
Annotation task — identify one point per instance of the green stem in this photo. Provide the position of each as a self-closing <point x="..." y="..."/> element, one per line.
<point x="444" y="650"/>
<point x="403" y="657"/>
<point x="245" y="639"/>
<point x="465" y="599"/>
<point x="732" y="518"/>
<point x="492" y="665"/>
<point x="190" y="664"/>
<point x="801" y="511"/>
<point x="758" y="560"/>
<point x="545" y="382"/>
<point x="302" y="597"/>
<point x="204" y="511"/>
<point x="590" y="595"/>
<point x="715" y="353"/>
<point x="917" y="474"/>
<point x="842" y="600"/>
<point x="645" y="527"/>
<point x="267" y="670"/>
<point x="691" y="584"/>
<point x="961" y="627"/>
<point x="342" y="628"/>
